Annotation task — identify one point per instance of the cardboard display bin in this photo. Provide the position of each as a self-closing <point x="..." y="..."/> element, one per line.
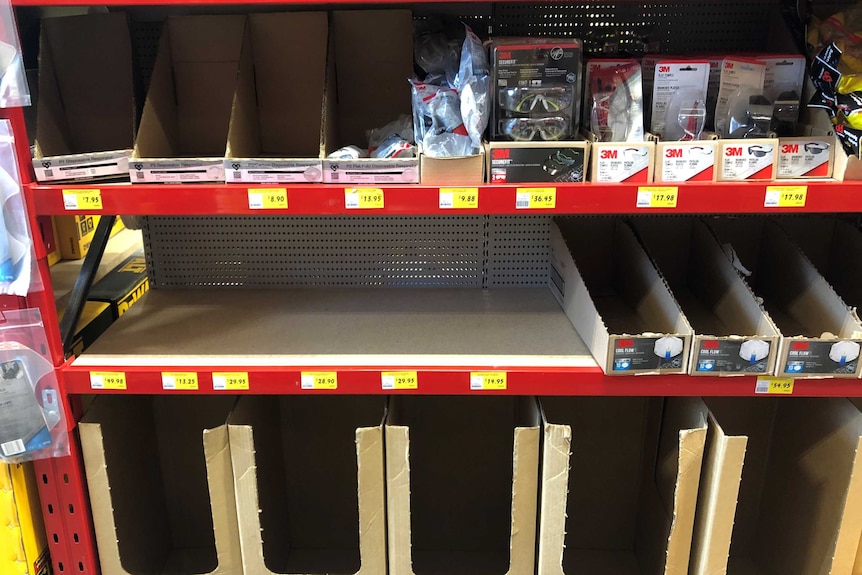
<point x="620" y="480"/>
<point x="461" y="477"/>
<point x="821" y="336"/>
<point x="161" y="487"/>
<point x="279" y="117"/>
<point x="85" y="123"/>
<point x="782" y="488"/>
<point x="309" y="484"/>
<point x="186" y="117"/>
<point x="733" y="335"/>
<point x="616" y="299"/>
<point x="373" y="59"/>
<point x="454" y="171"/>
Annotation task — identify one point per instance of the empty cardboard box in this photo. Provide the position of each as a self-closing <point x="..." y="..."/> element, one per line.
<point x="161" y="487"/>
<point x="279" y="115"/>
<point x="309" y="484"/>
<point x="184" y="127"/>
<point x="782" y="488"/>
<point x="821" y="336"/>
<point x="616" y="299"/>
<point x="461" y="478"/>
<point x="619" y="487"/>
<point x="733" y="335"/>
<point x="85" y="126"/>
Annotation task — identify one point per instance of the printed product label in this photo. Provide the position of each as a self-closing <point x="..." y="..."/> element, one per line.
<point x="737" y="356"/>
<point x="647" y="353"/>
<point x="622" y="164"/>
<point x="749" y="161"/>
<point x="251" y="171"/>
<point x="808" y="159"/>
<point x="371" y="172"/>
<point x="82" y="166"/>
<point x="161" y="171"/>
<point x="683" y="163"/>
<point x="517" y="165"/>
<point x="822" y="357"/>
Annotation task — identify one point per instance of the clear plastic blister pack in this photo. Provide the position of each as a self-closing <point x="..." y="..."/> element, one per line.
<point x="16" y="245"/>
<point x="14" y="91"/>
<point x="32" y="418"/>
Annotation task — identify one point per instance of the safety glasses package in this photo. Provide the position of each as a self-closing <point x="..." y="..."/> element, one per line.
<point x="614" y="99"/>
<point x="679" y="100"/>
<point x="536" y="89"/>
<point x="742" y="111"/>
<point x="32" y="422"/>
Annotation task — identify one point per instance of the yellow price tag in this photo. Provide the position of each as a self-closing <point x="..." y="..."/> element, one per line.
<point x="487" y="380"/>
<point x="230" y="380"/>
<point x="774" y="385"/>
<point x="657" y="197"/>
<point x="399" y="380"/>
<point x="459" y="198"/>
<point x="785" y="196"/>
<point x="179" y="380"/>
<point x="107" y="380"/>
<point x="267" y="198"/>
<point x="363" y="198"/>
<point x="82" y="199"/>
<point x="319" y="380"/>
<point x="535" y="198"/>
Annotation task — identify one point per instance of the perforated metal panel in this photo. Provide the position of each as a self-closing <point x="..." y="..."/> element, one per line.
<point x="518" y="249"/>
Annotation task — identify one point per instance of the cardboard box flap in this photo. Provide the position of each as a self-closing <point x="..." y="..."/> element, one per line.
<point x="157" y="133"/>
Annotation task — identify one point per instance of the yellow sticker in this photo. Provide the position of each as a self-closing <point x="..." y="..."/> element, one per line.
<point x="230" y="380"/>
<point x="180" y="380"/>
<point x="363" y="198"/>
<point x="107" y="380"/>
<point x="487" y="380"/>
<point x="785" y="196"/>
<point x="267" y="198"/>
<point x="535" y="198"/>
<point x="82" y="199"/>
<point x="657" y="196"/>
<point x="459" y="198"/>
<point x="319" y="380"/>
<point x="774" y="385"/>
<point x="399" y="380"/>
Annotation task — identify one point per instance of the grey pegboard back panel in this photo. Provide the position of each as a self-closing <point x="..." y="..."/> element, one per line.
<point x="518" y="251"/>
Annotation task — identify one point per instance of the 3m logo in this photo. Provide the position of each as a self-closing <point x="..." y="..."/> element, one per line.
<point x="733" y="151"/>
<point x="501" y="154"/>
<point x="799" y="345"/>
<point x="504" y="55"/>
<point x="728" y="65"/>
<point x="790" y="149"/>
<point x="610" y="154"/>
<point x="673" y="153"/>
<point x="664" y="68"/>
<point x="595" y="67"/>
<point x="711" y="344"/>
<point x="625" y="343"/>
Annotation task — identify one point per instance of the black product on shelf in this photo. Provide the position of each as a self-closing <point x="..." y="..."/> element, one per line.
<point x="537" y="88"/>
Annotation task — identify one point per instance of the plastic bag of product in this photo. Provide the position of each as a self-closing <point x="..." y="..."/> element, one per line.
<point x="474" y="86"/>
<point x="16" y="246"/>
<point x="402" y="127"/>
<point x="394" y="147"/>
<point x="448" y="145"/>
<point x="14" y="90"/>
<point x="348" y="153"/>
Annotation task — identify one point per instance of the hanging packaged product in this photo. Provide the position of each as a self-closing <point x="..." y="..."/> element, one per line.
<point x="834" y="93"/>
<point x="32" y="424"/>
<point x="742" y="111"/>
<point x="748" y="160"/>
<point x="536" y="88"/>
<point x="679" y="100"/>
<point x="615" y="99"/>
<point x="782" y="85"/>
<point x="685" y="161"/>
<point x="648" y="65"/>
<point x="14" y="91"/>
<point x="16" y="245"/>
<point x="806" y="157"/>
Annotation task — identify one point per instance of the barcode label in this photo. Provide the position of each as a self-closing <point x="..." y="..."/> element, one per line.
<point x="335" y="176"/>
<point x="237" y="175"/>
<point x="49" y="173"/>
<point x="139" y="175"/>
<point x="762" y="386"/>
<point x="12" y="447"/>
<point x="522" y="203"/>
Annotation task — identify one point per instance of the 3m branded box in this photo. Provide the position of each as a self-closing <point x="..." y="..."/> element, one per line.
<point x="752" y="160"/>
<point x="685" y="161"/>
<point x="733" y="335"/>
<point x="630" y="162"/>
<point x="525" y="162"/>
<point x="616" y="299"/>
<point x="789" y="468"/>
<point x="806" y="157"/>
<point x="85" y="126"/>
<point x="122" y="286"/>
<point x="461" y="477"/>
<point x="619" y="486"/>
<point x="161" y="485"/>
<point x="309" y="484"/>
<point x="23" y="545"/>
<point x="821" y="336"/>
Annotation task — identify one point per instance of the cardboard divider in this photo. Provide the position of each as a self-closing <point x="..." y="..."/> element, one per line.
<point x="161" y="488"/>
<point x="619" y="484"/>
<point x="462" y="485"/>
<point x="733" y="334"/>
<point x="278" y="119"/>
<point x="821" y="336"/>
<point x="797" y="506"/>
<point x="309" y="484"/>
<point x="85" y="126"/>
<point x="616" y="299"/>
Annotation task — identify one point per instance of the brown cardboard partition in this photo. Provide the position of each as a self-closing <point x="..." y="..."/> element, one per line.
<point x="616" y="299"/>
<point x="186" y="117"/>
<point x="309" y="484"/>
<point x="85" y="123"/>
<point x="821" y="336"/>
<point x="782" y="488"/>
<point x="278" y="120"/>
<point x="733" y="334"/>
<point x="461" y="478"/>
<point x="619" y="484"/>
<point x="161" y="488"/>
